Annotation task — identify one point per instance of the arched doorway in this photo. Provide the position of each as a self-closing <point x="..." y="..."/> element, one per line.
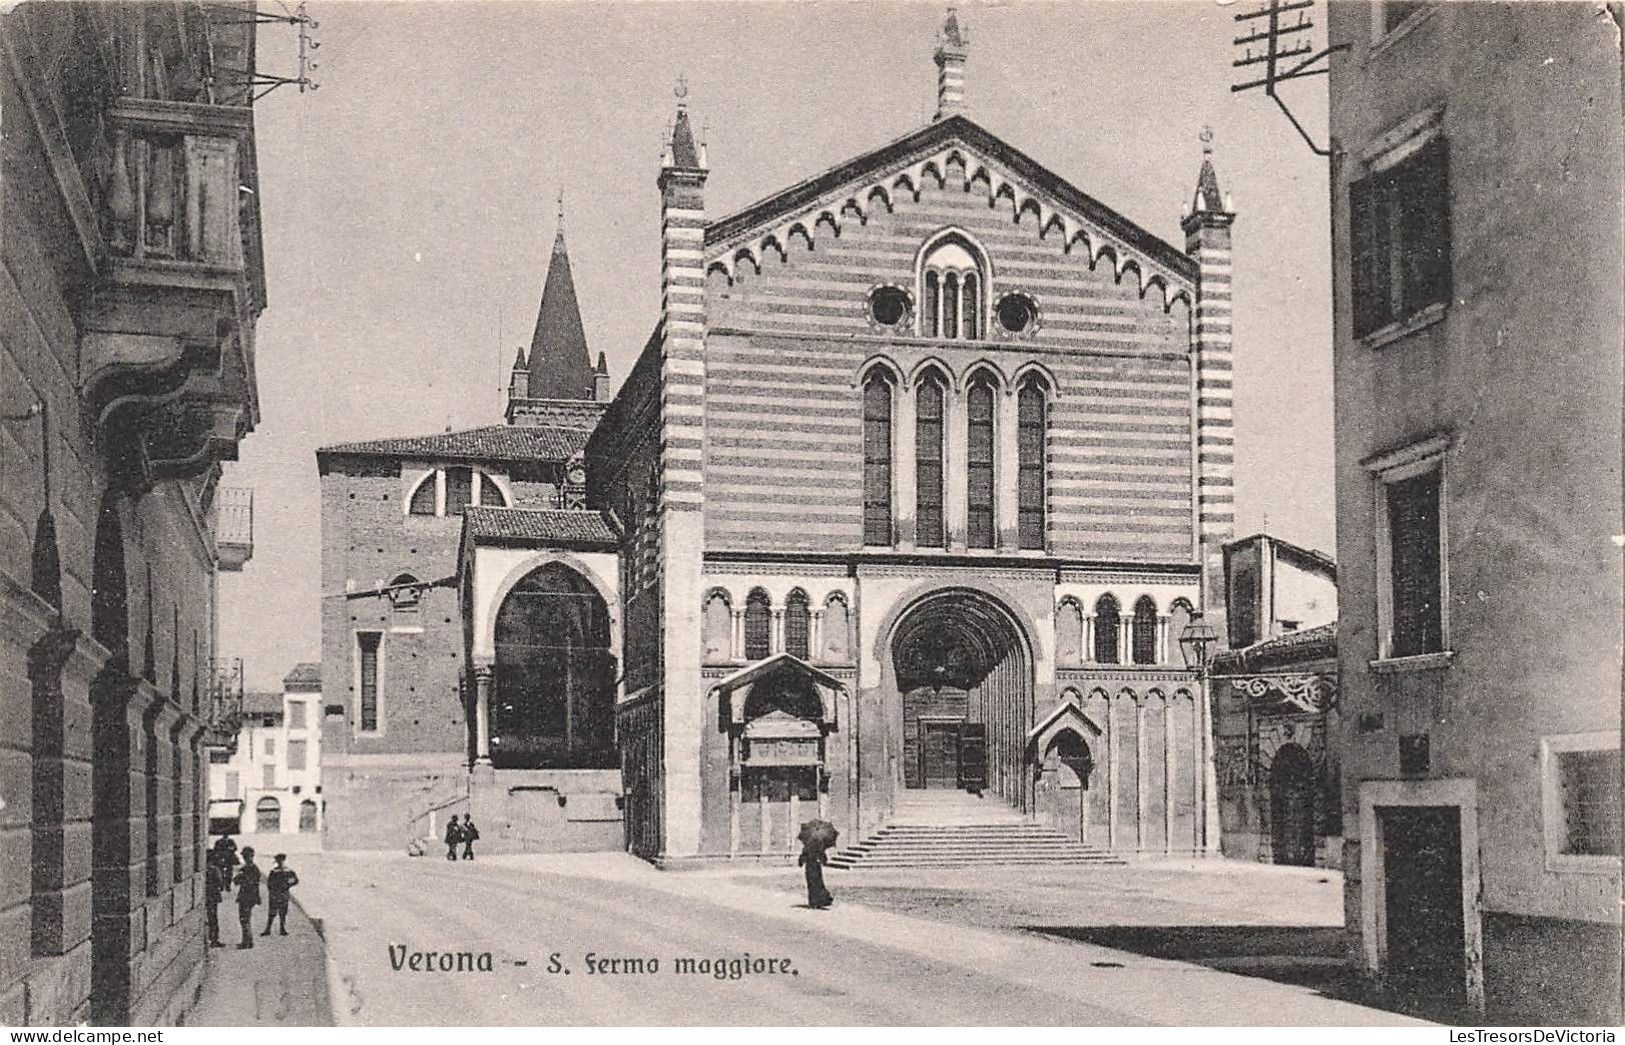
<point x="307" y="816"/>
<point x="1292" y="806"/>
<point x="964" y="678"/>
<point x="553" y="688"/>
<point x="268" y="816"/>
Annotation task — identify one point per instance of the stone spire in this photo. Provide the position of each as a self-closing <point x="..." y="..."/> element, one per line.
<point x="953" y="46"/>
<point x="560" y="367"/>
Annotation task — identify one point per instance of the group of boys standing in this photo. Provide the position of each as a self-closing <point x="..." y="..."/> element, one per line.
<point x="278" y="883"/>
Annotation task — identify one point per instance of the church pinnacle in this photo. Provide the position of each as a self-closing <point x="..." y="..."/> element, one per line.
<point x="560" y="367"/>
<point x="953" y="47"/>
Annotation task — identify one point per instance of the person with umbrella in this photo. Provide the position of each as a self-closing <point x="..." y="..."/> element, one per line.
<point x="816" y="837"/>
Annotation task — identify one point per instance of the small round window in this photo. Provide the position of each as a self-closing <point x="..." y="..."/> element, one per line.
<point x="888" y="306"/>
<point x="1017" y="313"/>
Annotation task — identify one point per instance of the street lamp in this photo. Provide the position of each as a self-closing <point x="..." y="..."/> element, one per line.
<point x="1197" y="638"/>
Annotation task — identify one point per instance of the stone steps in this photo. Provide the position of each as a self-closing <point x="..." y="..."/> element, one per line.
<point x="954" y="829"/>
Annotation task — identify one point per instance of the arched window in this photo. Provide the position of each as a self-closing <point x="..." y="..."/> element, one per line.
<point x="877" y="402"/>
<point x="979" y="453"/>
<point x="405" y="593"/>
<point x="952" y="286"/>
<point x="1068" y="634"/>
<point x="1032" y="420"/>
<point x="1179" y="618"/>
<point x="835" y="635"/>
<point x="424" y="497"/>
<point x="268" y="815"/>
<point x="797" y="624"/>
<point x="1145" y="631"/>
<point x="929" y="403"/>
<point x="758" y="625"/>
<point x="1106" y="623"/>
<point x="307" y="816"/>
<point x="717" y="630"/>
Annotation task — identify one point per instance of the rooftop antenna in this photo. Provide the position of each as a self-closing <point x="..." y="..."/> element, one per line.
<point x="1281" y="50"/>
<point x="263" y="83"/>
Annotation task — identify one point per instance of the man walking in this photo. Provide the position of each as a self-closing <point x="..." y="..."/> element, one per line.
<point x="278" y="887"/>
<point x="211" y="896"/>
<point x="471" y="834"/>
<point x="454" y="834"/>
<point x="248" y="897"/>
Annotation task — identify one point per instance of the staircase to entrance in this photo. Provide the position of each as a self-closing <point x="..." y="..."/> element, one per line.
<point x="941" y="828"/>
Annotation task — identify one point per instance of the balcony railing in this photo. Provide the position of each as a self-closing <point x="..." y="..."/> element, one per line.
<point x="234" y="527"/>
<point x="223" y="717"/>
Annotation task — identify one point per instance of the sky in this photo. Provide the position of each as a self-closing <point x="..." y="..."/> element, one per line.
<point x="410" y="203"/>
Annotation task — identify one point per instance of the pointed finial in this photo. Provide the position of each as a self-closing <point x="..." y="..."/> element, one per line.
<point x="560" y="234"/>
<point x="1207" y="140"/>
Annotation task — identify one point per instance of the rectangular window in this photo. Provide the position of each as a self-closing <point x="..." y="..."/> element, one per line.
<point x="296" y="714"/>
<point x="270" y="745"/>
<point x="1399" y="237"/>
<point x="269" y="776"/>
<point x="368" y="642"/>
<point x="1414" y="577"/>
<point x="928" y="433"/>
<point x="296" y="754"/>
<point x="1580" y="801"/>
<point x="234" y="784"/>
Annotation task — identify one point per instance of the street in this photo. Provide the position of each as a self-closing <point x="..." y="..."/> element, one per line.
<point x="603" y="939"/>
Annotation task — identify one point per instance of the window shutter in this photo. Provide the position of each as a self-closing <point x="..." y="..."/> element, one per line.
<point x="1425" y="192"/>
<point x="1367" y="282"/>
<point x="1413" y="526"/>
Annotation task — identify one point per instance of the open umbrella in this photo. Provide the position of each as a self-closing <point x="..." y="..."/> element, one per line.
<point x="820" y="834"/>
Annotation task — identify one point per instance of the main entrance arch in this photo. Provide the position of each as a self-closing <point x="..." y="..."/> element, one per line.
<point x="964" y="677"/>
<point x="553" y="684"/>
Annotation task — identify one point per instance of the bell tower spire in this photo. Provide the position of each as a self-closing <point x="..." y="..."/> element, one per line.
<point x="560" y="367"/>
<point x="953" y="47"/>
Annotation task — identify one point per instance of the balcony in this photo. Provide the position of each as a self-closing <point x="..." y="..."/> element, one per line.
<point x="234" y="527"/>
<point x="223" y="715"/>
<point x="167" y="344"/>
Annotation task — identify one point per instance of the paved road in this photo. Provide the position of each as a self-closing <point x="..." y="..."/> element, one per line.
<point x="281" y="982"/>
<point x="850" y="965"/>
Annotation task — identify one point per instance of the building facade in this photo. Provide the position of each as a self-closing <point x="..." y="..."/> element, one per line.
<point x="1276" y="727"/>
<point x="133" y="281"/>
<point x="1477" y="252"/>
<point x="271" y="784"/>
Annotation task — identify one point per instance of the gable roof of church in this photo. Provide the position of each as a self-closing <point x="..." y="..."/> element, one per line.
<point x="489" y="443"/>
<point x="560" y="367"/>
<point x="928" y="138"/>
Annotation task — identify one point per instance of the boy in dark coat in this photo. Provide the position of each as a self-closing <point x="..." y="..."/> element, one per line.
<point x="454" y="834"/>
<point x="278" y="889"/>
<point x="471" y="834"/>
<point x="248" y="897"/>
<point x="213" y="878"/>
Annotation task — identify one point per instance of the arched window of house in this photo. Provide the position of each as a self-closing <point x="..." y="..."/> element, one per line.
<point x="1145" y="630"/>
<point x="877" y="414"/>
<point x="1032" y="421"/>
<point x="268" y="815"/>
<point x="405" y="593"/>
<point x="425" y="496"/>
<point x="717" y="631"/>
<point x="797" y="624"/>
<point x="980" y="449"/>
<point x="952" y="287"/>
<point x="307" y="816"/>
<point x="930" y="400"/>
<point x="1106" y="622"/>
<point x="758" y="625"/>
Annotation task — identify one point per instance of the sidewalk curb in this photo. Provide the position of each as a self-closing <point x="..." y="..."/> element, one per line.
<point x="336" y="988"/>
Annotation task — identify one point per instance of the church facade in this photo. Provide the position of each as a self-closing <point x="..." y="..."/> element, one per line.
<point x="915" y="486"/>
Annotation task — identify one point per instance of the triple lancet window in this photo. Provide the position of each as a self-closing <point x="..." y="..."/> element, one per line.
<point x="952" y="288"/>
<point x="964" y="447"/>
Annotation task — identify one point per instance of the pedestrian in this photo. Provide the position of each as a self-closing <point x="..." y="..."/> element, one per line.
<point x="471" y="834"/>
<point x="212" y="880"/>
<point x="813" y="859"/>
<point x="279" y="885"/>
<point x="248" y="897"/>
<point x="454" y="834"/>
<point x="224" y="855"/>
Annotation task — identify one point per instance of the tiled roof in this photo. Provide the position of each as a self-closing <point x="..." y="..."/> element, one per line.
<point x="490" y="443"/>
<point x="303" y="675"/>
<point x="549" y="525"/>
<point x="258" y="703"/>
<point x="1295" y="647"/>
